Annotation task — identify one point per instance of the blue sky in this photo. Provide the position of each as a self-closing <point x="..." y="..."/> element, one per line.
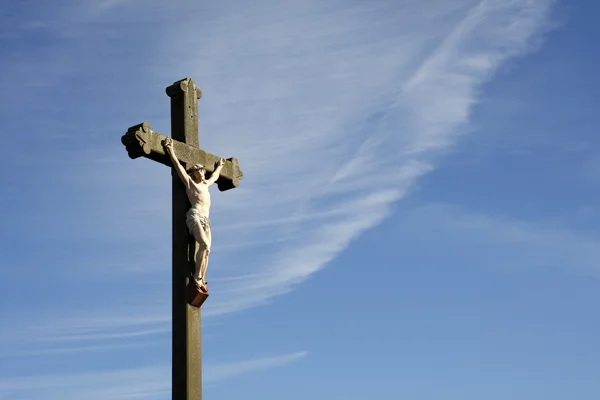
<point x="418" y="218"/>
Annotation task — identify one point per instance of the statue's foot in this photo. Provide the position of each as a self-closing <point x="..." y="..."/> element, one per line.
<point x="201" y="285"/>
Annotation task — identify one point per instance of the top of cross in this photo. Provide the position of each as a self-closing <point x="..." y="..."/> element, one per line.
<point x="141" y="141"/>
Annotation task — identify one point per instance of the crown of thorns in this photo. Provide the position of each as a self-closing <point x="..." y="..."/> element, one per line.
<point x="196" y="167"/>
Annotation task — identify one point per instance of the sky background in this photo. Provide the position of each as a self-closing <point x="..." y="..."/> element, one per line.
<point x="418" y="217"/>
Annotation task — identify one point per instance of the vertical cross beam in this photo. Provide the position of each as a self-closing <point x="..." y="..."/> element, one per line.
<point x="186" y="378"/>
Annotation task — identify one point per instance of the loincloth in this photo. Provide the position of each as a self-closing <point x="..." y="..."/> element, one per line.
<point x="193" y="218"/>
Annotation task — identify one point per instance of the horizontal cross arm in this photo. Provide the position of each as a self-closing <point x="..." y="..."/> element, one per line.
<point x="141" y="141"/>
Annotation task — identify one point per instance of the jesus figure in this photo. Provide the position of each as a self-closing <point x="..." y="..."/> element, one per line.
<point x="197" y="218"/>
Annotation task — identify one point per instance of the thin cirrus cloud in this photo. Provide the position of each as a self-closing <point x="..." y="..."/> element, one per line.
<point x="333" y="115"/>
<point x="83" y="333"/>
<point x="135" y="383"/>
<point x="345" y="129"/>
<point x="334" y="110"/>
<point x="504" y="242"/>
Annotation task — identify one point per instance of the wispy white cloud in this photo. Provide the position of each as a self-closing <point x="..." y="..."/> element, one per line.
<point x="220" y="372"/>
<point x="79" y="333"/>
<point x="506" y="242"/>
<point x="333" y="121"/>
<point x="139" y="383"/>
<point x="108" y="4"/>
<point x="350" y="118"/>
<point x="334" y="109"/>
<point x="148" y="383"/>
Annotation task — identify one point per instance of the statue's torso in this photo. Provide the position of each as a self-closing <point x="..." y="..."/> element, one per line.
<point x="199" y="197"/>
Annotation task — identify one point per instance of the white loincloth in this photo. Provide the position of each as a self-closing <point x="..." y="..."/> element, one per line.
<point x="193" y="218"/>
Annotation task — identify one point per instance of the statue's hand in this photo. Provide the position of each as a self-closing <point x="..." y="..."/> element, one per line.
<point x="220" y="163"/>
<point x="168" y="143"/>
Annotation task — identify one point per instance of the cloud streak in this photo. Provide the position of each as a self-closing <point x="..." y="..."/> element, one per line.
<point x="147" y="383"/>
<point x="335" y="110"/>
<point x="218" y="372"/>
<point x="333" y="120"/>
<point x="323" y="168"/>
<point x="80" y="333"/>
<point x="503" y="242"/>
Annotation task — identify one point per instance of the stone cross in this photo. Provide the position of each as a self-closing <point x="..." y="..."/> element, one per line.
<point x="141" y="141"/>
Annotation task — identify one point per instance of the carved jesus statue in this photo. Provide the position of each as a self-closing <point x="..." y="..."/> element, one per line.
<point x="197" y="218"/>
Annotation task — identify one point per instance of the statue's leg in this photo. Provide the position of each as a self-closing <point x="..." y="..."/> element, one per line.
<point x="201" y="263"/>
<point x="201" y="255"/>
<point x="206" y="253"/>
<point x="208" y="234"/>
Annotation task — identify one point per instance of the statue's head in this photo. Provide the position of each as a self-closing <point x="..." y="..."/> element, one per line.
<point x="197" y="172"/>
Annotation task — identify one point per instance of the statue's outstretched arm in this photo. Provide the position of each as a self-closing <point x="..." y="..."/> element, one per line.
<point x="216" y="173"/>
<point x="168" y="143"/>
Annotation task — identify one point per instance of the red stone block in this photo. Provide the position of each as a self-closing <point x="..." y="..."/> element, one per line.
<point x="196" y="297"/>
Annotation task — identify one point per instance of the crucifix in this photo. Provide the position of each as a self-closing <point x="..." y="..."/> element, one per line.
<point x="141" y="141"/>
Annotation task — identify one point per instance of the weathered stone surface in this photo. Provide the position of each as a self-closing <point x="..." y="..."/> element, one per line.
<point x="182" y="86"/>
<point x="186" y="372"/>
<point x="141" y="141"/>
